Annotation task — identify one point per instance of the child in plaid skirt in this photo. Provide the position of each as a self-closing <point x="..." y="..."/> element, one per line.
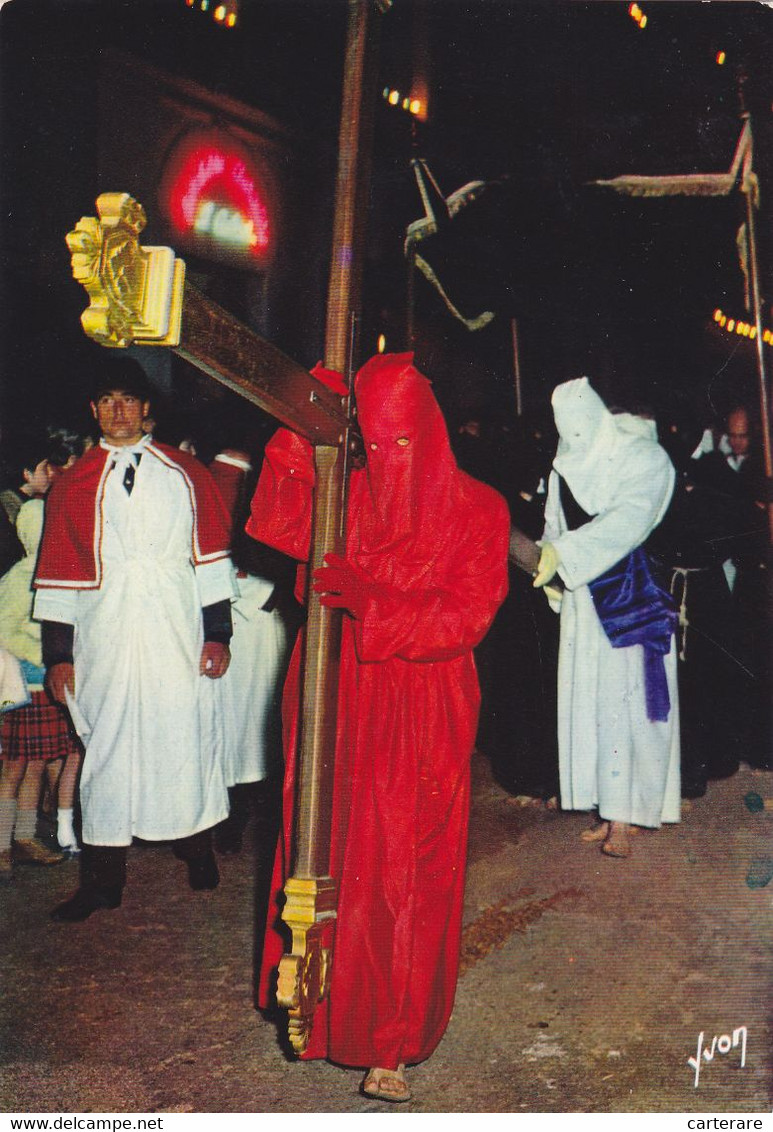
<point x="38" y="733"/>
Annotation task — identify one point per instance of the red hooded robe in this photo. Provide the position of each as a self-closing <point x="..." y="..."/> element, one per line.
<point x="430" y="547"/>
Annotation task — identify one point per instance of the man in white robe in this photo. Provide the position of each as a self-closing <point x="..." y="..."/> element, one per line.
<point x="612" y="755"/>
<point x="134" y="585"/>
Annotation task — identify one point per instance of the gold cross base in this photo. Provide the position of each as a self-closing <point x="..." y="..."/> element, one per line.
<point x="304" y="973"/>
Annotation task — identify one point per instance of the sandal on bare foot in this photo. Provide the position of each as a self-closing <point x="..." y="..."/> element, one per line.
<point x="598" y="832"/>
<point x="386" y="1084"/>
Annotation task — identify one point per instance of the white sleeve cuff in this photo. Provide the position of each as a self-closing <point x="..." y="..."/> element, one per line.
<point x="56" y="605"/>
<point x="221" y="458"/>
<point x="216" y="581"/>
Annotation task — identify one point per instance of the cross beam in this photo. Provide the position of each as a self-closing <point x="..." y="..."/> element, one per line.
<point x="138" y="295"/>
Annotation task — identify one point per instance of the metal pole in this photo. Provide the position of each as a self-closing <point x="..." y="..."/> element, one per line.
<point x="762" y="376"/>
<point x="516" y="368"/>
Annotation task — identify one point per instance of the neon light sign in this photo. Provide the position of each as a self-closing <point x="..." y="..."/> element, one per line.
<point x="213" y="197"/>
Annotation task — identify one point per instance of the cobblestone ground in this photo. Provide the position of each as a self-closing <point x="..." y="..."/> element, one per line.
<point x="585" y="982"/>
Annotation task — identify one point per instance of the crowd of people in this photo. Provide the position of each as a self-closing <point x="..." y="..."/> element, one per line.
<point x="146" y="626"/>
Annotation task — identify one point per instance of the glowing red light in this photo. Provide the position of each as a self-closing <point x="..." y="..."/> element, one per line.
<point x="212" y="193"/>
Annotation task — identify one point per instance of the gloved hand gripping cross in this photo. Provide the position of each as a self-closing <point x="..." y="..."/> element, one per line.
<point x="547" y="568"/>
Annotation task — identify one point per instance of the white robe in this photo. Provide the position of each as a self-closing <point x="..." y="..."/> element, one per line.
<point x="611" y="756"/>
<point x="251" y="686"/>
<point x="151" y="725"/>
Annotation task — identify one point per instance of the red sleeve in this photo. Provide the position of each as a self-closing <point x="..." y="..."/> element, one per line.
<point x="229" y="480"/>
<point x="281" y="509"/>
<point x="448" y="618"/>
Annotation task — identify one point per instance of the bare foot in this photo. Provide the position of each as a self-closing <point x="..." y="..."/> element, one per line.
<point x="387" y="1084"/>
<point x="598" y="832"/>
<point x="617" y="843"/>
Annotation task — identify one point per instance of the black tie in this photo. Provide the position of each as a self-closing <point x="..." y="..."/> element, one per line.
<point x="128" y="476"/>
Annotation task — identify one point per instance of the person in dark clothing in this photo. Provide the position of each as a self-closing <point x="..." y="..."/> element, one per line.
<point x="518" y="658"/>
<point x="736" y="477"/>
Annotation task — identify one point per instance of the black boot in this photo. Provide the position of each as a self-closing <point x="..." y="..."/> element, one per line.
<point x="103" y="876"/>
<point x="229" y="834"/>
<point x="203" y="872"/>
<point x="228" y="839"/>
<point x="196" y="851"/>
<point x="85" y="901"/>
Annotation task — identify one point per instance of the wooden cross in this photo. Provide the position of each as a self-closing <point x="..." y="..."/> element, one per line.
<point x="139" y="296"/>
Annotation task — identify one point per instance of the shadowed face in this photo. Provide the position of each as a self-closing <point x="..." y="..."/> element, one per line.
<point x="388" y="427"/>
<point x="738" y="432"/>
<point x="37" y="480"/>
<point x="120" y="416"/>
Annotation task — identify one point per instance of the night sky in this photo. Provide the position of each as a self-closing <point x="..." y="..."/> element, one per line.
<point x="537" y="99"/>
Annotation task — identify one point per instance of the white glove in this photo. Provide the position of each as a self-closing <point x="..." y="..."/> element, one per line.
<point x="548" y="565"/>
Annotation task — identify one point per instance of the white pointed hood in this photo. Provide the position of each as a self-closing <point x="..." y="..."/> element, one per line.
<point x="594" y="444"/>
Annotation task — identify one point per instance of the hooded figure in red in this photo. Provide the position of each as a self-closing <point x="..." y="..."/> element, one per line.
<point x="424" y="573"/>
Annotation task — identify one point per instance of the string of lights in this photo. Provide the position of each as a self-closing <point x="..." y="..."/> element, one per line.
<point x="639" y="17"/>
<point x="738" y="326"/>
<point x="412" y="106"/>
<point x="223" y="12"/>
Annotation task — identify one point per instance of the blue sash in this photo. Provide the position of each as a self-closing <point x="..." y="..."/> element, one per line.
<point x="634" y="610"/>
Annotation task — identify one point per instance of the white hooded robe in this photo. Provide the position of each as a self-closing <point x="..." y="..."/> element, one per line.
<point x="611" y="756"/>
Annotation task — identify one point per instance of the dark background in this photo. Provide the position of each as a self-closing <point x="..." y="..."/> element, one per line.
<point x="536" y="98"/>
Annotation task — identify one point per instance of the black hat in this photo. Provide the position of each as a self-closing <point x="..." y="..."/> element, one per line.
<point x="124" y="375"/>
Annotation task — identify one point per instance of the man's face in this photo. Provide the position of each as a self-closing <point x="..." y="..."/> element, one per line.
<point x="37" y="480"/>
<point x="738" y="433"/>
<point x="120" y="416"/>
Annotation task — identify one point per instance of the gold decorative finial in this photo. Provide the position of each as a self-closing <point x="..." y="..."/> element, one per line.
<point x="305" y="973"/>
<point x="136" y="292"/>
